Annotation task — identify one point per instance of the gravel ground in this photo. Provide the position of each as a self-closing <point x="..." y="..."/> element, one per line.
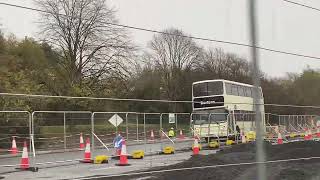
<point x="293" y="170"/>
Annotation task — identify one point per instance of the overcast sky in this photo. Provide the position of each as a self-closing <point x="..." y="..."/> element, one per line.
<point x="282" y="26"/>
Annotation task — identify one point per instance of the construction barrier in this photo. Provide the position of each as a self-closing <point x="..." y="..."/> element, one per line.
<point x="65" y="131"/>
<point x="15" y="128"/>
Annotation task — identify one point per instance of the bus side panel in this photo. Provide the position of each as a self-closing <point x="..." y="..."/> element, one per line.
<point x="238" y="103"/>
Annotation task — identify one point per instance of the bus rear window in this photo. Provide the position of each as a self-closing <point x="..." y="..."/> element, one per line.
<point x="208" y="89"/>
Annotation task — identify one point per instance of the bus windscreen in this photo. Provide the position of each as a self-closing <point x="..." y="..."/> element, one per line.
<point x="208" y="89"/>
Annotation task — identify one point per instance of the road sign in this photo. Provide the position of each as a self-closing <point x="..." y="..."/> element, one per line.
<point x="115" y="120"/>
<point x="172" y="118"/>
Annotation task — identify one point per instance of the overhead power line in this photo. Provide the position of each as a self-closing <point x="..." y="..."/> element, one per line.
<point x="303" y="5"/>
<point x="186" y="36"/>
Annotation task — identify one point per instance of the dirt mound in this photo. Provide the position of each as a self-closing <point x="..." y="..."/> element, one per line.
<point x="291" y="170"/>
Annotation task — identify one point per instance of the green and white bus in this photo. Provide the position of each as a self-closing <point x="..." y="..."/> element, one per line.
<point x="220" y="105"/>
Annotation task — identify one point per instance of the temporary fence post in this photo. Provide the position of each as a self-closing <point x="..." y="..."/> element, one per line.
<point x="144" y="127"/>
<point x="137" y="119"/>
<point x="33" y="151"/>
<point x="176" y="120"/>
<point x="32" y="138"/>
<point x="243" y="124"/>
<point x="161" y="121"/>
<point x="30" y="126"/>
<point x="190" y="125"/>
<point x="209" y="121"/>
<point x="92" y="131"/>
<point x="64" y="131"/>
<point x="145" y="134"/>
<point x="127" y="130"/>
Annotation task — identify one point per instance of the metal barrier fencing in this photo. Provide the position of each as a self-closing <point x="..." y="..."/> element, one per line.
<point x="106" y="125"/>
<point x="60" y="130"/>
<point x="136" y="126"/>
<point x="149" y="122"/>
<point x="180" y="122"/>
<point x="297" y="123"/>
<point x="14" y="125"/>
<point x="290" y="124"/>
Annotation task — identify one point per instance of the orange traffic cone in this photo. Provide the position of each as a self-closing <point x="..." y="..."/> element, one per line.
<point x="152" y="136"/>
<point x="195" y="147"/>
<point x="181" y="136"/>
<point x="310" y="134"/>
<point x="307" y="135"/>
<point x="81" y="142"/>
<point x="279" y="140"/>
<point x="87" y="153"/>
<point x="318" y="132"/>
<point x="25" y="159"/>
<point x="243" y="138"/>
<point x="123" y="155"/>
<point x="14" y="149"/>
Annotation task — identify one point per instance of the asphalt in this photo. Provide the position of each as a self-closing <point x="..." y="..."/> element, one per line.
<point x="65" y="165"/>
<point x="298" y="160"/>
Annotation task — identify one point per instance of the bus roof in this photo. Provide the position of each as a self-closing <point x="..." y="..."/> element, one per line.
<point x="215" y="80"/>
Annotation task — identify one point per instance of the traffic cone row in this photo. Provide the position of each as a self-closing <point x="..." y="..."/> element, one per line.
<point x="123" y="154"/>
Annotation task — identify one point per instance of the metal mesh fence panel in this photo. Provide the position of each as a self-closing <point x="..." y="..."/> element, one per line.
<point x="14" y="125"/>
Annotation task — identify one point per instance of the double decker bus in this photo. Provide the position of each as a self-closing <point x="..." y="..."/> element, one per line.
<point x="221" y="105"/>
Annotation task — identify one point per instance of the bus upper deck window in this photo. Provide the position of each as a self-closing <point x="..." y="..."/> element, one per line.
<point x="241" y="91"/>
<point x="215" y="88"/>
<point x="228" y="88"/>
<point x="234" y="90"/>
<point x="248" y="92"/>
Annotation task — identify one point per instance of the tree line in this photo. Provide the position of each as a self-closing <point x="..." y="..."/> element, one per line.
<point x="81" y="53"/>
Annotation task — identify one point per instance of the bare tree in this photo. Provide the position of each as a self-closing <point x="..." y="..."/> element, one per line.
<point x="220" y="64"/>
<point x="173" y="55"/>
<point x="90" y="46"/>
<point x="214" y="61"/>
